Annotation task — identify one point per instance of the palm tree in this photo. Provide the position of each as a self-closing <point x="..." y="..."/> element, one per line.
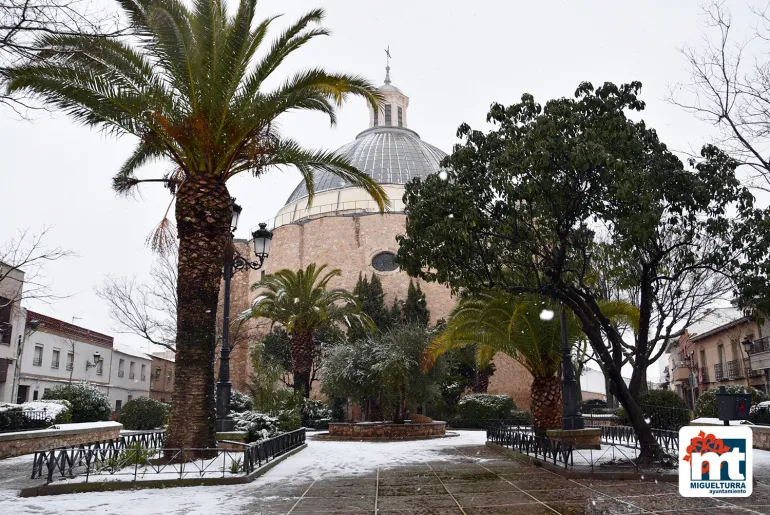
<point x="496" y="322"/>
<point x="299" y="301"/>
<point x="189" y="86"/>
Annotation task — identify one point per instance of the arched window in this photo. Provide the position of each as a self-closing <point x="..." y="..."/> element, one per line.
<point x="384" y="262"/>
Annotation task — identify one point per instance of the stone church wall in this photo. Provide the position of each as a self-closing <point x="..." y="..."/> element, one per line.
<point x="349" y="243"/>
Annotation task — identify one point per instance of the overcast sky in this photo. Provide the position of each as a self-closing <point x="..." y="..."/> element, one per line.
<point x="452" y="58"/>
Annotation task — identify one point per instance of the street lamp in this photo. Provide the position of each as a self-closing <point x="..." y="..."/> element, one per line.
<point x="571" y="418"/>
<point x="233" y="263"/>
<point x="97" y="359"/>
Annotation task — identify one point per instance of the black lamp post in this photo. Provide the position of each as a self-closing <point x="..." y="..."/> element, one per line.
<point x="233" y="263"/>
<point x="572" y="418"/>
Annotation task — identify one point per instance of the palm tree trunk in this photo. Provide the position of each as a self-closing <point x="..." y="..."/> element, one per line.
<point x="203" y="215"/>
<point x="546" y="403"/>
<point x="302" y="350"/>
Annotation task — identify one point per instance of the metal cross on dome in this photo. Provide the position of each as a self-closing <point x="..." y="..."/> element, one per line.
<point x="387" y="65"/>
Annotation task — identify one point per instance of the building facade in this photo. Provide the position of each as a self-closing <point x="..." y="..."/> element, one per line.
<point x="162" y="376"/>
<point x="129" y="376"/>
<point x="58" y="352"/>
<point x="344" y="229"/>
<point x="12" y="326"/>
<point x="711" y="354"/>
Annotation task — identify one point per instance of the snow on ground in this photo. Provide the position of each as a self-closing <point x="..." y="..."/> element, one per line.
<point x="321" y="459"/>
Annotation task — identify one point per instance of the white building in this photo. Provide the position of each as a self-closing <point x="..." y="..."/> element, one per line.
<point x="129" y="375"/>
<point x="11" y="327"/>
<point x="58" y="352"/>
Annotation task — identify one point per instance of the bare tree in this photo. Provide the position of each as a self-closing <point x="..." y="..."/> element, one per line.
<point x="23" y="21"/>
<point x="147" y="309"/>
<point x="730" y="88"/>
<point x="28" y="253"/>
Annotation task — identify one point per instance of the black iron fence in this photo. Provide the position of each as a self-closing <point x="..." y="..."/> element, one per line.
<point x="18" y="420"/>
<point x="525" y="441"/>
<point x="267" y="450"/>
<point x="136" y="456"/>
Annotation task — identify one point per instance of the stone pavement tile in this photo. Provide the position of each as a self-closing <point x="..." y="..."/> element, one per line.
<point x="395" y="502"/>
<point x="594" y="507"/>
<point x="422" y="511"/>
<point x="727" y="510"/>
<point x="760" y="496"/>
<point x="467" y="477"/>
<point x="531" y="476"/>
<point x="344" y="482"/>
<point x="271" y="505"/>
<point x="321" y="489"/>
<point x="335" y="504"/>
<point x="671" y="502"/>
<point x="412" y="480"/>
<point x="758" y="509"/>
<point x="474" y="500"/>
<point x="387" y="491"/>
<point x="514" y="509"/>
<point x="405" y="471"/>
<point x="629" y="488"/>
<point x="543" y="483"/>
<point x="281" y="490"/>
<point x="481" y="486"/>
<point x="566" y="494"/>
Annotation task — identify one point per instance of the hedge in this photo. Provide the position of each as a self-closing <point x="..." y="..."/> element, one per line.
<point x="143" y="413"/>
<point x="706" y="406"/>
<point x="89" y="404"/>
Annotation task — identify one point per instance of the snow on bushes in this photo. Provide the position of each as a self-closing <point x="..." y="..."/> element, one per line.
<point x="89" y="403"/>
<point x="260" y="426"/>
<point x="143" y="413"/>
<point x="240" y="402"/>
<point x="706" y="406"/>
<point x="485" y="406"/>
<point x="56" y="412"/>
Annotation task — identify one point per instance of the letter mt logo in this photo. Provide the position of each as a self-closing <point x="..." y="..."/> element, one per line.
<point x="715" y="461"/>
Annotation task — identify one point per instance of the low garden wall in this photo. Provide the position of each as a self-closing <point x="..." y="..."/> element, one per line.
<point x="386" y="431"/>
<point x="26" y="442"/>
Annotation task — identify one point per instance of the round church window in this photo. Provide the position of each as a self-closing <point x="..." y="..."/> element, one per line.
<point x="384" y="262"/>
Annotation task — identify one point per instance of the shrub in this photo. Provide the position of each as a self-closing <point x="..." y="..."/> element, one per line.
<point x="760" y="415"/>
<point x="289" y="420"/>
<point x="89" y="404"/>
<point x="258" y="426"/>
<point x="485" y="406"/>
<point x="521" y="418"/>
<point x="143" y="413"/>
<point x="706" y="406"/>
<point x="313" y="410"/>
<point x="664" y="409"/>
<point x="20" y="417"/>
<point x="240" y="402"/>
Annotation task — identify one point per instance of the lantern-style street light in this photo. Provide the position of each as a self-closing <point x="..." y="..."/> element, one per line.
<point x="233" y="263"/>
<point x="97" y="359"/>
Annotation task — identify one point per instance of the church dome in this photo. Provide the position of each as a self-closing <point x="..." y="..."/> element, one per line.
<point x="387" y="151"/>
<point x="389" y="155"/>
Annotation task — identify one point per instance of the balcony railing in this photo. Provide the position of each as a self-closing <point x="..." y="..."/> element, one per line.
<point x="354" y="207"/>
<point x="760" y="345"/>
<point x="718" y="373"/>
<point x="37" y="362"/>
<point x="99" y="371"/>
<point x="749" y="371"/>
<point x="734" y="369"/>
<point x="704" y="375"/>
<point x="131" y="375"/>
<point x="70" y="365"/>
<point x="121" y="373"/>
<point x="54" y="364"/>
<point x="144" y="377"/>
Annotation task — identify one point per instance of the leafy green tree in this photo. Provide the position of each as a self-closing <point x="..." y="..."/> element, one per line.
<point x="300" y="302"/>
<point x="531" y="200"/>
<point x="382" y="369"/>
<point x="191" y="88"/>
<point x="415" y="307"/>
<point x="371" y="295"/>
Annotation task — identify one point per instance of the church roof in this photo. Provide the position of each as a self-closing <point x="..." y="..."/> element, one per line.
<point x="389" y="155"/>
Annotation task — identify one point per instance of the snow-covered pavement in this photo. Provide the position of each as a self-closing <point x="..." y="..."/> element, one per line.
<point x="320" y="460"/>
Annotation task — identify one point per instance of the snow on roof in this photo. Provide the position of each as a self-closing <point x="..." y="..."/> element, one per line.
<point x="719" y="318"/>
<point x="125" y="349"/>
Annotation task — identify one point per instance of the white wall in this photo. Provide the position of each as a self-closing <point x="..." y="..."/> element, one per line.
<point x="122" y="387"/>
<point x="10" y="288"/>
<point x="45" y="375"/>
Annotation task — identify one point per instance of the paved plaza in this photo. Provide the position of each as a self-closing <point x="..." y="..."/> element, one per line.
<point x="446" y="476"/>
